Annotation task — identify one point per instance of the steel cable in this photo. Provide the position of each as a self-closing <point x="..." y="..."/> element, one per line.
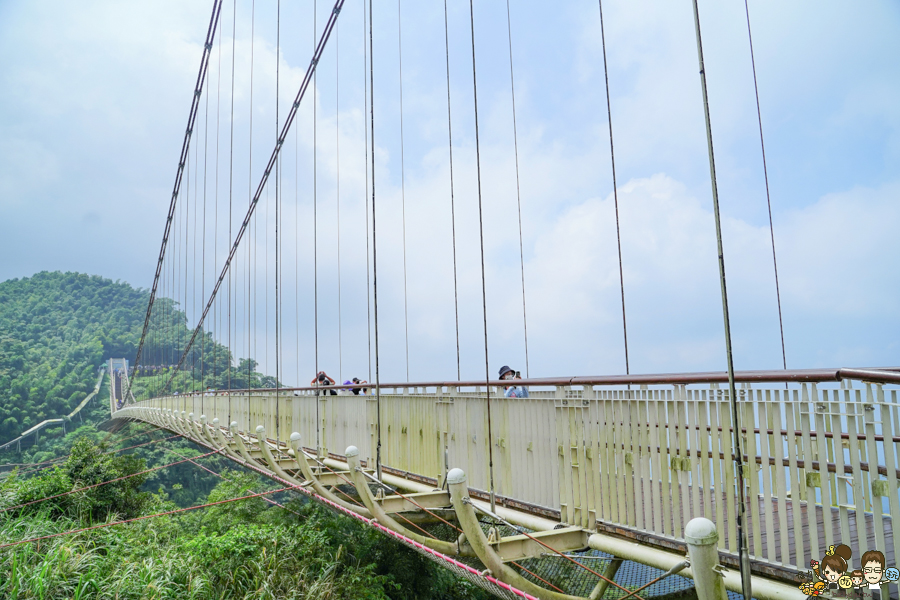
<point x="512" y="85"/>
<point x="337" y="145"/>
<point x="102" y="483"/>
<point x="743" y="554"/>
<point x="612" y="158"/>
<point x="231" y="290"/>
<point x="403" y="186"/>
<point x="315" y="202"/>
<point x="277" y="228"/>
<point x="198" y="87"/>
<point x="374" y="244"/>
<point x="487" y="374"/>
<point x="762" y="146"/>
<point x="366" y="143"/>
<point x="266" y="173"/>
<point x="452" y="199"/>
<point x="252" y="291"/>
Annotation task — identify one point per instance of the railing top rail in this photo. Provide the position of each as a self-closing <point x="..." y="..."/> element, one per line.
<point x="888" y="375"/>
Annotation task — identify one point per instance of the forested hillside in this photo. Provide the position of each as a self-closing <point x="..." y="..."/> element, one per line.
<point x="56" y="329"/>
<point x="58" y="495"/>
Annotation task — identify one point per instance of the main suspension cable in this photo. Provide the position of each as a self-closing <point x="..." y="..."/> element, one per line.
<point x="612" y="158"/>
<point x="268" y="170"/>
<point x="762" y="146"/>
<point x="195" y="105"/>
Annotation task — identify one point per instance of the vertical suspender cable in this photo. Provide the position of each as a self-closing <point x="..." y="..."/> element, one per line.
<point x="254" y="238"/>
<point x="277" y="223"/>
<point x="487" y="375"/>
<point x="218" y="320"/>
<point x="737" y="452"/>
<point x="203" y="252"/>
<point x="297" y="248"/>
<point x="403" y="185"/>
<point x="762" y="146"/>
<point x="337" y="146"/>
<point x="612" y="158"/>
<point x="366" y="143"/>
<point x="452" y="200"/>
<point x="512" y="85"/>
<point x="230" y="202"/>
<point x="182" y="255"/>
<point x="194" y="245"/>
<point x="374" y="246"/>
<point x="315" y="241"/>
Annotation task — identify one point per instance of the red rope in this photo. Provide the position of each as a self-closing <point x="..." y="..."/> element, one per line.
<point x="37" y="466"/>
<point x="536" y="576"/>
<point x="389" y="532"/>
<point x="162" y="514"/>
<point x="3" y="510"/>
<point x="56" y="460"/>
<point x="220" y="476"/>
<point x="144" y="444"/>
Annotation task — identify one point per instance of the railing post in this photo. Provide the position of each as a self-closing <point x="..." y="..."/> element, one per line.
<point x="701" y="537"/>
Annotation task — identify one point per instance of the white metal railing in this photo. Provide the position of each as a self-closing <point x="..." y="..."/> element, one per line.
<point x="821" y="459"/>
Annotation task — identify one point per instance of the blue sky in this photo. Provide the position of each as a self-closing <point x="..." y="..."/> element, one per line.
<point x="94" y="99"/>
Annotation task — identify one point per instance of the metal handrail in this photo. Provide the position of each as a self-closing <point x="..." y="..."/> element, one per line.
<point x="886" y="375"/>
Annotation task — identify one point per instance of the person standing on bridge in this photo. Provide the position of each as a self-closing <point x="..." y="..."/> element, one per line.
<point x="513" y="391"/>
<point x="323" y="380"/>
<point x="356" y="391"/>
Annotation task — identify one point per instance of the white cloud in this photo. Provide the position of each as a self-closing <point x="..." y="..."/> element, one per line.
<point x="94" y="101"/>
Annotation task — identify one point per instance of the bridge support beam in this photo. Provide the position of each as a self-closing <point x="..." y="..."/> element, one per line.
<point x="610" y="574"/>
<point x="459" y="496"/>
<point x="701" y="537"/>
<point x="270" y="460"/>
<point x="221" y="441"/>
<point x="300" y="457"/>
<point x="362" y="488"/>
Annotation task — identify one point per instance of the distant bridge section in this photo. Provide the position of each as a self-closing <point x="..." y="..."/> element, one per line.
<point x="62" y="420"/>
<point x="118" y="383"/>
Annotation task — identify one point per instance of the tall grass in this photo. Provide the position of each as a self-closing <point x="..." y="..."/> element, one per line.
<point x="129" y="562"/>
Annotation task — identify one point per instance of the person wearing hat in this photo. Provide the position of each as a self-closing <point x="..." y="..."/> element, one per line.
<point x="513" y="391"/>
<point x="356" y="390"/>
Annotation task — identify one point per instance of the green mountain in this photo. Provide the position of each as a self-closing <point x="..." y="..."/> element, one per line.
<point x="56" y="330"/>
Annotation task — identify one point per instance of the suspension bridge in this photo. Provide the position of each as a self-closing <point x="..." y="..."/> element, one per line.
<point x="550" y="488"/>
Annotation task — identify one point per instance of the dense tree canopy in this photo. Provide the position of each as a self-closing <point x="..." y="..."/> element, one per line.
<point x="57" y="329"/>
